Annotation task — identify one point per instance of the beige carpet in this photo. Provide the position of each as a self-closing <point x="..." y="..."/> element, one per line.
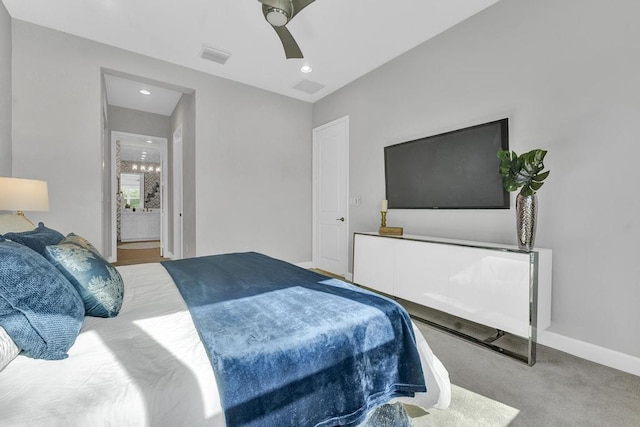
<point x="139" y="245"/>
<point x="466" y="409"/>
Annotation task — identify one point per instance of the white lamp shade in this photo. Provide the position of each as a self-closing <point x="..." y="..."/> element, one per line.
<point x="17" y="194"/>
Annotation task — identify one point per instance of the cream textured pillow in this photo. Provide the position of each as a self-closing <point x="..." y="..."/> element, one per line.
<point x="14" y="223"/>
<point x="8" y="349"/>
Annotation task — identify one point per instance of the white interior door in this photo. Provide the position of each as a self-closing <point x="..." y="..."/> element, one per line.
<point x="330" y="196"/>
<point x="115" y="194"/>
<point x="164" y="197"/>
<point x="177" y="194"/>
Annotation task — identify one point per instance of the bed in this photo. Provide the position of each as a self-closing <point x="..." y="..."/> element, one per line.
<point x="148" y="366"/>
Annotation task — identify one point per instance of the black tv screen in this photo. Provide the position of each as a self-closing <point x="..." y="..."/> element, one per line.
<point x="453" y="170"/>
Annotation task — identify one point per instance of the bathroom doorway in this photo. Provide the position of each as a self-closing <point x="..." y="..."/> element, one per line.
<point x="140" y="203"/>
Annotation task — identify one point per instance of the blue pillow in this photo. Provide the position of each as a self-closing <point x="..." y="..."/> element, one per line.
<point x="80" y="241"/>
<point x="99" y="284"/>
<point x="37" y="239"/>
<point x="39" y="308"/>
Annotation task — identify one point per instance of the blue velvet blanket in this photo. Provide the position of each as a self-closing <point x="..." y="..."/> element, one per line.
<point x="290" y="347"/>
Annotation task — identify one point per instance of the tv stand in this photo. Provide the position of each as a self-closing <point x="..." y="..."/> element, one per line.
<point x="497" y="287"/>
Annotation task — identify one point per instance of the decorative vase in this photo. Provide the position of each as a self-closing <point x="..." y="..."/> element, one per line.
<point x="526" y="209"/>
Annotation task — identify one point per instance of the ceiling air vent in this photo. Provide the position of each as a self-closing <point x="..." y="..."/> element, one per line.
<point x="308" y="86"/>
<point x="215" y="55"/>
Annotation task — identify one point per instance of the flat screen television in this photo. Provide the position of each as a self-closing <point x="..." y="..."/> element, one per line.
<point x="452" y="170"/>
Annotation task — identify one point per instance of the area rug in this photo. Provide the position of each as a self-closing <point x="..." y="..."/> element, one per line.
<point x="467" y="409"/>
<point x="139" y="245"/>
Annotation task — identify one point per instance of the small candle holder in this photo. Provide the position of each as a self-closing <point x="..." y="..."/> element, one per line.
<point x="390" y="231"/>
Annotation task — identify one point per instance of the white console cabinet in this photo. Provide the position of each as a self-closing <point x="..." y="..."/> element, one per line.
<point x="495" y="285"/>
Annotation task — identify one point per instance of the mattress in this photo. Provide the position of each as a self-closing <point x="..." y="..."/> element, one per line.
<point x="145" y="367"/>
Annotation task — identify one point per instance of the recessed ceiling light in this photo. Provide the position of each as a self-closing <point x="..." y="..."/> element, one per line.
<point x="144" y="152"/>
<point x="306" y="69"/>
<point x="144" y="92"/>
<point x="150" y="142"/>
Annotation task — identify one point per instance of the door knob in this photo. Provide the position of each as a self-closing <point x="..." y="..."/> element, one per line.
<point x="340" y="219"/>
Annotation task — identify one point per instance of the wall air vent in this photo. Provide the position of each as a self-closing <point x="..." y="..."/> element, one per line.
<point x="210" y="53"/>
<point x="308" y="86"/>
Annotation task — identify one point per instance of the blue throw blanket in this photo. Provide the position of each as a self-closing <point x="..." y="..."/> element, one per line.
<point x="290" y="347"/>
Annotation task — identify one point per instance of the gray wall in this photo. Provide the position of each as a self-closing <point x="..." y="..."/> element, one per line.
<point x="256" y="181"/>
<point x="138" y="122"/>
<point x="241" y="134"/>
<point x="5" y="92"/>
<point x="566" y="74"/>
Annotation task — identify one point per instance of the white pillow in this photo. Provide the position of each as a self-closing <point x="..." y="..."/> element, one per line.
<point x="10" y="223"/>
<point x="8" y="349"/>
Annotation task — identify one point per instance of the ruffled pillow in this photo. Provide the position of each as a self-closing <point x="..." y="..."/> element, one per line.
<point x="98" y="283"/>
<point x="39" y="309"/>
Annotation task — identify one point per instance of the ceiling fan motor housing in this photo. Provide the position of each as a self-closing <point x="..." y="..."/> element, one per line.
<point x="279" y="12"/>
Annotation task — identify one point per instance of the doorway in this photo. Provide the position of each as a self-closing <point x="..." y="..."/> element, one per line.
<point x="136" y="106"/>
<point x="330" y="196"/>
<point x="140" y="200"/>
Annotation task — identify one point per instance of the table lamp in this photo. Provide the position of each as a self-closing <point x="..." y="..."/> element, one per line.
<point x="17" y="194"/>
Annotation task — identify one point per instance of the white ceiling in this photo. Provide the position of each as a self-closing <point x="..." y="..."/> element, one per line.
<point x="132" y="147"/>
<point x="126" y="93"/>
<point x="341" y="39"/>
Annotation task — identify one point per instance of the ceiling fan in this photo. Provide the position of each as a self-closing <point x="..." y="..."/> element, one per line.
<point x="279" y="13"/>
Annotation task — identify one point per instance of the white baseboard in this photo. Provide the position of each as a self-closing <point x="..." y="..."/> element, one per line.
<point x="306" y="265"/>
<point x="604" y="356"/>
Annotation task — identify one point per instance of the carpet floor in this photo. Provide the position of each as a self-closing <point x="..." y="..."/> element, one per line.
<point x="559" y="390"/>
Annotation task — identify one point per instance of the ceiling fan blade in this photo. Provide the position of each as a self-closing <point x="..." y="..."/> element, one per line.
<point x="298" y="5"/>
<point x="272" y="3"/>
<point x="291" y="48"/>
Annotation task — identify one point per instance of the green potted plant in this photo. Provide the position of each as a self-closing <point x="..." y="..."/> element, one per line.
<point x="525" y="172"/>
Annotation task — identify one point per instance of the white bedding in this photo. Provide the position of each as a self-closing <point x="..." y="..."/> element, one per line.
<point x="145" y="367"/>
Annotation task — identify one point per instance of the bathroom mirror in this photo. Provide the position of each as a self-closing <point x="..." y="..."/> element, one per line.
<point x="131" y="188"/>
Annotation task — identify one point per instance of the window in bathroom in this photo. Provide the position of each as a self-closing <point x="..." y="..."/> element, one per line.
<point x="131" y="185"/>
